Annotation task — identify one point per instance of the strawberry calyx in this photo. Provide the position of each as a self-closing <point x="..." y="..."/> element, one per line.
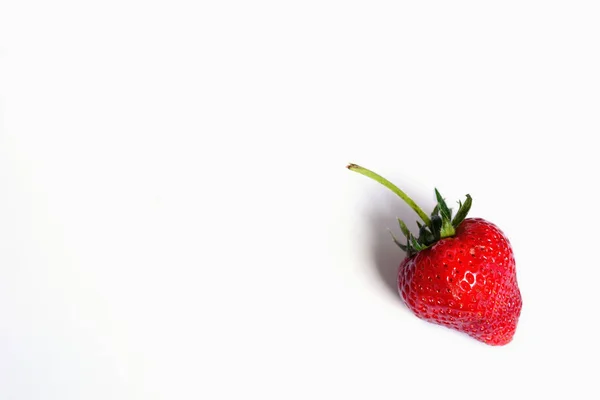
<point x="438" y="225"/>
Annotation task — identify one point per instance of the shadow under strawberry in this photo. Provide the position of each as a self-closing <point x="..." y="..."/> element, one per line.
<point x="384" y="252"/>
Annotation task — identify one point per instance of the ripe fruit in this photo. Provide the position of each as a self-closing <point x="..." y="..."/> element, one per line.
<point x="459" y="272"/>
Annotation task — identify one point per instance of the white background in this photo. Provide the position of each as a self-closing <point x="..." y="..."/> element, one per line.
<point x="176" y="221"/>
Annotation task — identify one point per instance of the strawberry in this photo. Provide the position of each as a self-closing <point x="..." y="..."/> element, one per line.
<point x="459" y="272"/>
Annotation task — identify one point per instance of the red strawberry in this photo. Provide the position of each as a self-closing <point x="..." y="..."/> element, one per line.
<point x="459" y="272"/>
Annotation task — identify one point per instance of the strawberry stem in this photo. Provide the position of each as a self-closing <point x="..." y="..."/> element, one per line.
<point x="393" y="188"/>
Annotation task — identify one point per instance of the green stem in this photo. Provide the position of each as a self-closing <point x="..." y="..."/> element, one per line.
<point x="393" y="188"/>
